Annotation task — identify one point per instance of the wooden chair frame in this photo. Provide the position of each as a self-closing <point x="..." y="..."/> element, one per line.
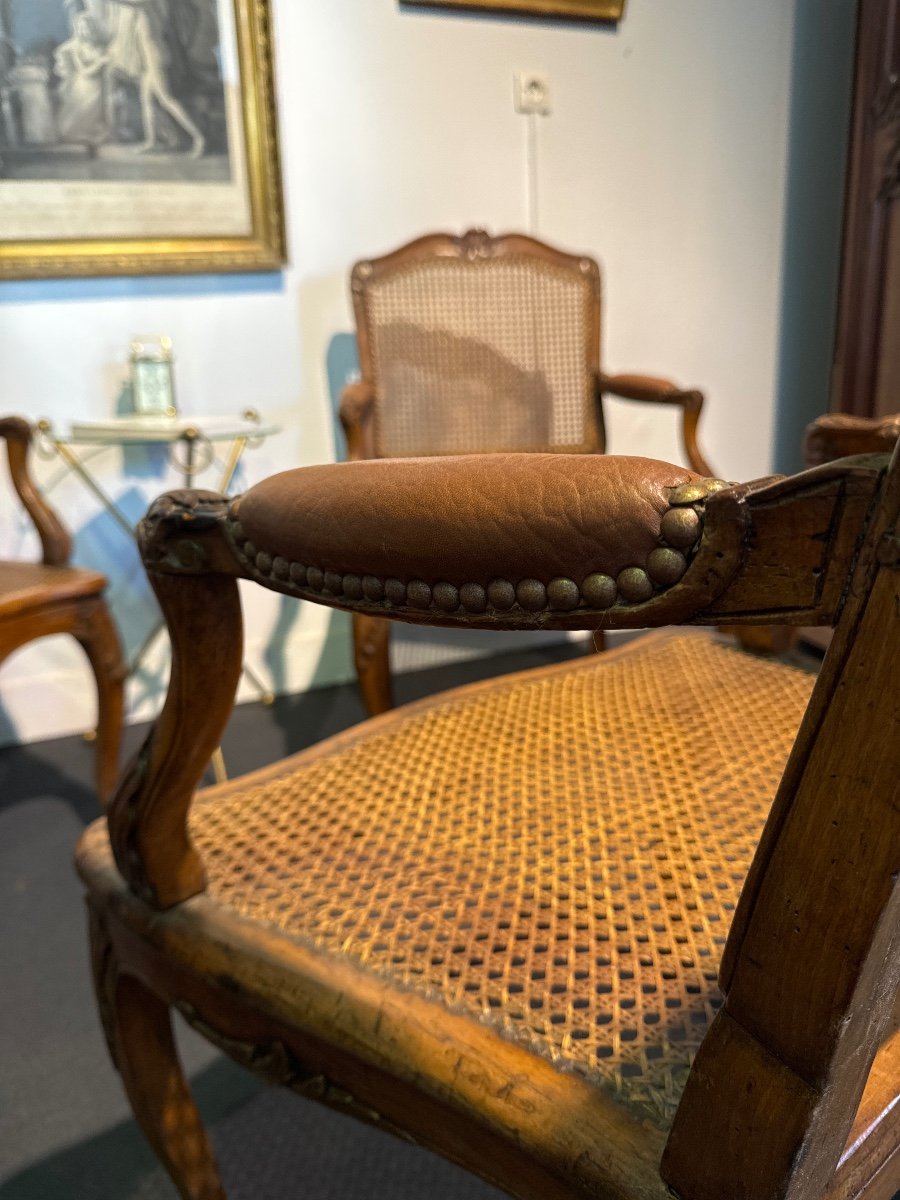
<point x="69" y="601"/>
<point x="794" y="1093"/>
<point x="371" y="638"/>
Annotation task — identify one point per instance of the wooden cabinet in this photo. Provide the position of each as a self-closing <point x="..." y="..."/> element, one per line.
<point x="866" y="371"/>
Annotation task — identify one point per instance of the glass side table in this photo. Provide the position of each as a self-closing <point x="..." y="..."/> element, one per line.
<point x="192" y="449"/>
<point x="191" y="441"/>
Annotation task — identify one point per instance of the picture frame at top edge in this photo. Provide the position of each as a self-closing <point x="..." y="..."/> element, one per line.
<point x="93" y="182"/>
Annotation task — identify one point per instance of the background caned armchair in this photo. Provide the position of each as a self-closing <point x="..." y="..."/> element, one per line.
<point x="475" y="344"/>
<point x="498" y="920"/>
<point x="51" y="597"/>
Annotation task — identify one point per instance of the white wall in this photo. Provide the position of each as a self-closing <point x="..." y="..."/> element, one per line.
<point x="664" y="157"/>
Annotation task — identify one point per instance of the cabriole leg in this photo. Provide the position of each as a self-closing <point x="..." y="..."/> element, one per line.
<point x="138" y="1031"/>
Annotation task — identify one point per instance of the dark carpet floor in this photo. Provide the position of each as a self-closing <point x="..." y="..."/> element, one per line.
<point x="65" y="1130"/>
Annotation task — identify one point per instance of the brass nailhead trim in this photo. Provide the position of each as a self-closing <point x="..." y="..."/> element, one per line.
<point x="680" y="528"/>
<point x="635" y="585"/>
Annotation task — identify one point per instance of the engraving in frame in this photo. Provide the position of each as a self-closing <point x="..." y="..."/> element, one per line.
<point x="95" y="136"/>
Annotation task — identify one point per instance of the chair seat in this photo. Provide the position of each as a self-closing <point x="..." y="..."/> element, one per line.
<point x="556" y="854"/>
<point x="27" y="586"/>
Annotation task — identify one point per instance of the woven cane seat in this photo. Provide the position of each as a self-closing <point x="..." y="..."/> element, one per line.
<point x="557" y="853"/>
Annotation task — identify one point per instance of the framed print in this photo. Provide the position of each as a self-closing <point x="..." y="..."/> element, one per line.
<point x="579" y="10"/>
<point x="137" y="137"/>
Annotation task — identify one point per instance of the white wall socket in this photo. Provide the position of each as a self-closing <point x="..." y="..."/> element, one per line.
<point x="531" y="92"/>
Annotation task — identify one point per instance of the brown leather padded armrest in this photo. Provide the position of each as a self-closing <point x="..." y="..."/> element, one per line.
<point x="471" y="534"/>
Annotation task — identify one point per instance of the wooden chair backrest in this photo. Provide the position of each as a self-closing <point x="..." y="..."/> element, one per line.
<point x="480" y="343"/>
<point x="55" y="540"/>
<point x="812" y="965"/>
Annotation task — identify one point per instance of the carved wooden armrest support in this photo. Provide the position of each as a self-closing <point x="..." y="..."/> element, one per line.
<point x="356" y="411"/>
<point x="192" y="571"/>
<point x="839" y="434"/>
<point x="55" y="541"/>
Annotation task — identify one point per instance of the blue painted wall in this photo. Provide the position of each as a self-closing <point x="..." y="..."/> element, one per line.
<point x="821" y="84"/>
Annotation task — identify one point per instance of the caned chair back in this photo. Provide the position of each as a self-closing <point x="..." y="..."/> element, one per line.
<point x="477" y="343"/>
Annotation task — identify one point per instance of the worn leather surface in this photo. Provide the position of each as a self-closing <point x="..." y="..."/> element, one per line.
<point x="465" y="519"/>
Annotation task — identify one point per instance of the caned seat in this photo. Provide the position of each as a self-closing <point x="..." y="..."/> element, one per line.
<point x="574" y="900"/>
<point x="478" y="344"/>
<point x="601" y="930"/>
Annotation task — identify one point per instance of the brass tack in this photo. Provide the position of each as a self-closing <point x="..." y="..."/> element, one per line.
<point x="373" y="588"/>
<point x="531" y="595"/>
<point x="501" y="593"/>
<point x="395" y="591"/>
<point x="634" y="585"/>
<point x="446" y="597"/>
<point x="599" y="590"/>
<point x="264" y="562"/>
<point x="666" y="566"/>
<point x="297" y="573"/>
<point x="563" y="594"/>
<point x="690" y="493"/>
<point x="680" y="527"/>
<point x="473" y="597"/>
<point x="249" y="551"/>
<point x="353" y="588"/>
<point x="418" y="594"/>
<point x="315" y="578"/>
<point x="280" y="567"/>
<point x="333" y="582"/>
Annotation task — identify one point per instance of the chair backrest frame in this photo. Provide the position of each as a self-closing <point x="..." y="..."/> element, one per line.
<point x="474" y="255"/>
<point x="56" y="542"/>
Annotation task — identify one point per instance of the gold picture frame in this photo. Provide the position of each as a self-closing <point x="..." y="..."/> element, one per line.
<point x="87" y="189"/>
<point x="578" y="10"/>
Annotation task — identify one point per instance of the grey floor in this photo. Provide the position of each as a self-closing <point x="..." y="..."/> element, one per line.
<point x="65" y="1130"/>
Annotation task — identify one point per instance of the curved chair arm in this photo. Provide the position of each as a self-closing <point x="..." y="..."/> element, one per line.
<point x="55" y="540"/>
<point x="651" y="389"/>
<point x="511" y="541"/>
<point x="357" y="411"/>
<point x="839" y="434"/>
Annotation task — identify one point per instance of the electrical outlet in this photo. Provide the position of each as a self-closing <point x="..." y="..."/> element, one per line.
<point x="531" y="92"/>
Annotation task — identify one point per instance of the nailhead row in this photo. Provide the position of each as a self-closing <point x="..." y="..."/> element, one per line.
<point x="680" y="527"/>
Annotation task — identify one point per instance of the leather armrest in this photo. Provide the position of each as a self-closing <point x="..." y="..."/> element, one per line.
<point x="647" y="387"/>
<point x="516" y="539"/>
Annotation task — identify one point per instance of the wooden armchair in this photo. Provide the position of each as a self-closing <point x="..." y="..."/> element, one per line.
<point x="473" y="344"/>
<point x="37" y="600"/>
<point x="498" y="920"/>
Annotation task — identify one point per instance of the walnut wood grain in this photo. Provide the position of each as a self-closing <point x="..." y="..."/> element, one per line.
<point x="812" y="966"/>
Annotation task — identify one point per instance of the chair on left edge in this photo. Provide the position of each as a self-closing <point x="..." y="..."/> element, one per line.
<point x="50" y="597"/>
